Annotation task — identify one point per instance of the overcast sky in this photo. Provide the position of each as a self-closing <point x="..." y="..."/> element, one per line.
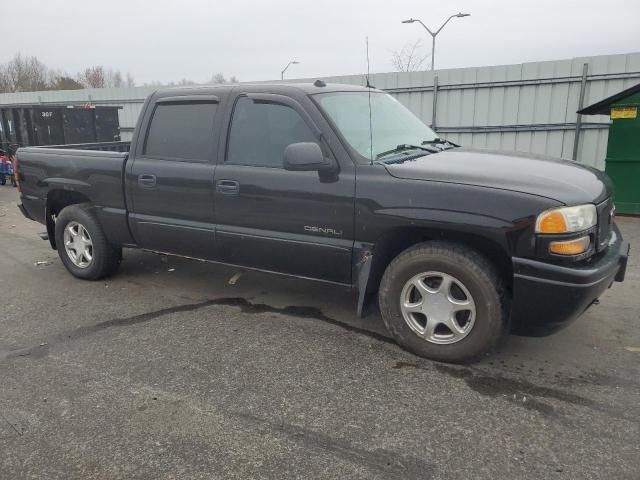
<point x="170" y="40"/>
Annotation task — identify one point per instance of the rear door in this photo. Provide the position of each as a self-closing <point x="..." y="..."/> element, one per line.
<point x="171" y="177"/>
<point x="298" y="223"/>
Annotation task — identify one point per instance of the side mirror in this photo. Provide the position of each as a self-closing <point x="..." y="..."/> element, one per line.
<point x="304" y="157"/>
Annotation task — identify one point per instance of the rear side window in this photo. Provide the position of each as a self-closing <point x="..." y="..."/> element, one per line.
<point x="181" y="131"/>
<point x="260" y="131"/>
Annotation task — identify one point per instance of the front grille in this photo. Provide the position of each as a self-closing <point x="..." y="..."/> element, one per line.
<point x="604" y="223"/>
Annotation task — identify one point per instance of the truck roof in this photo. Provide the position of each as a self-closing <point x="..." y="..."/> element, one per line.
<point x="307" y="88"/>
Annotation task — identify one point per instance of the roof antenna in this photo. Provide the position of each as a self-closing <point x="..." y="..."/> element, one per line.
<point x="369" y="86"/>
<point x="366" y="39"/>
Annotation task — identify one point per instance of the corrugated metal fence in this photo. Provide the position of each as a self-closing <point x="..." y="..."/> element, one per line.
<point x="529" y="107"/>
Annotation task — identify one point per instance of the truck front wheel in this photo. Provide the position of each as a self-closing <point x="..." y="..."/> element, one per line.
<point x="82" y="245"/>
<point x="443" y="301"/>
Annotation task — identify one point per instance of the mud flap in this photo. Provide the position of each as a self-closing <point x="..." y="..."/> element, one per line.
<point x="363" y="271"/>
<point x="51" y="228"/>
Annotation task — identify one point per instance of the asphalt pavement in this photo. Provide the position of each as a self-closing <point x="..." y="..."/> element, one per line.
<point x="181" y="369"/>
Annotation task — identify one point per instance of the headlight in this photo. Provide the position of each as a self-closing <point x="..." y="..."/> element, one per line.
<point x="567" y="219"/>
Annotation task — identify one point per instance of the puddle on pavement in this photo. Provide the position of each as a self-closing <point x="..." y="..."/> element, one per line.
<point x="245" y="306"/>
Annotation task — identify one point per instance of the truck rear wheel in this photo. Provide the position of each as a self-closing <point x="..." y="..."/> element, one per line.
<point x="82" y="245"/>
<point x="443" y="301"/>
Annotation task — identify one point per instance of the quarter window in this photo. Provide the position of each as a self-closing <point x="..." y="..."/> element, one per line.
<point x="181" y="131"/>
<point x="260" y="132"/>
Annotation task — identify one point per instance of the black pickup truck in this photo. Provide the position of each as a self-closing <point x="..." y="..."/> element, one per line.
<point x="340" y="184"/>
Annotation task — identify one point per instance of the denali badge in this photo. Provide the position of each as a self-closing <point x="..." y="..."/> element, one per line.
<point x="323" y="230"/>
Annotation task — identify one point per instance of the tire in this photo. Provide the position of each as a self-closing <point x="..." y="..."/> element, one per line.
<point x="105" y="258"/>
<point x="477" y="290"/>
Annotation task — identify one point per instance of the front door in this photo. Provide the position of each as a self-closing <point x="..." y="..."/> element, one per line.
<point x="298" y="223"/>
<point x="171" y="182"/>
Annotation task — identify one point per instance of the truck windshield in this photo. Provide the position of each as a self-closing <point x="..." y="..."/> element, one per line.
<point x="392" y="123"/>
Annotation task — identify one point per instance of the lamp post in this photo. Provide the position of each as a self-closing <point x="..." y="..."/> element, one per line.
<point x="433" y="34"/>
<point x="292" y="62"/>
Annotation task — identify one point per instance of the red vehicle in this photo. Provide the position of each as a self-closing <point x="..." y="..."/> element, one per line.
<point x="7" y="170"/>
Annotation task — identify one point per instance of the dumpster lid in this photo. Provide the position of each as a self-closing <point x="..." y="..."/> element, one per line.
<point x="603" y="106"/>
<point x="65" y="105"/>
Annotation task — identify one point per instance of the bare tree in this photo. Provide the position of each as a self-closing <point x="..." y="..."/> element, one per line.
<point x="408" y="58"/>
<point x="182" y="83"/>
<point x="218" y="78"/>
<point x="100" y="77"/>
<point x="23" y="74"/>
<point x="63" y="81"/>
<point x="113" y="79"/>
<point x="92" y="77"/>
<point x="129" y="81"/>
<point x="5" y="83"/>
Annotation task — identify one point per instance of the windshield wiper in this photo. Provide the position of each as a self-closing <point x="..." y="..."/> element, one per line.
<point x="440" y="143"/>
<point x="405" y="146"/>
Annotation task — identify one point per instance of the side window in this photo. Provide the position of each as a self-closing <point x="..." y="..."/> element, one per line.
<point x="181" y="131"/>
<point x="260" y="132"/>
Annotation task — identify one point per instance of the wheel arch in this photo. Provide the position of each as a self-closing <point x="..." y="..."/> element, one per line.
<point x="397" y="240"/>
<point x="57" y="200"/>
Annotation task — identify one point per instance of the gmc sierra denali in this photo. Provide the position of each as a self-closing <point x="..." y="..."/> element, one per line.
<point x="340" y="184"/>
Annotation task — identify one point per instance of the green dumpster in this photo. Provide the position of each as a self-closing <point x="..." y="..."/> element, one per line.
<point x="623" y="148"/>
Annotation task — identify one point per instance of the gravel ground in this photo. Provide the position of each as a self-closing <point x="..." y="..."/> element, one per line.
<point x="181" y="369"/>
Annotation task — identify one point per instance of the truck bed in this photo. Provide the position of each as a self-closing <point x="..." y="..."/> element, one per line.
<point x="92" y="173"/>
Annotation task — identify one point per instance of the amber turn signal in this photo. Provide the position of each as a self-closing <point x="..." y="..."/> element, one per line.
<point x="552" y="222"/>
<point x="570" y="247"/>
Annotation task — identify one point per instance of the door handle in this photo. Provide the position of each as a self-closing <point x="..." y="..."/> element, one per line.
<point x="147" y="180"/>
<point x="228" y="187"/>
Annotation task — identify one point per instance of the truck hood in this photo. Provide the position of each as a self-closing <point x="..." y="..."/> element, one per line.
<point x="561" y="180"/>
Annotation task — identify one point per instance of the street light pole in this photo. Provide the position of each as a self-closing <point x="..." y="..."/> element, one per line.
<point x="434" y="34"/>
<point x="292" y="62"/>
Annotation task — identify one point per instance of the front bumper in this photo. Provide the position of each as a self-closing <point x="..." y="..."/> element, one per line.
<point x="547" y="297"/>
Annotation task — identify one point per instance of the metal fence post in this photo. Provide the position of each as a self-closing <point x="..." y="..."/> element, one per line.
<point x="583" y="86"/>
<point x="1" y="127"/>
<point x="6" y="137"/>
<point x="435" y="102"/>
